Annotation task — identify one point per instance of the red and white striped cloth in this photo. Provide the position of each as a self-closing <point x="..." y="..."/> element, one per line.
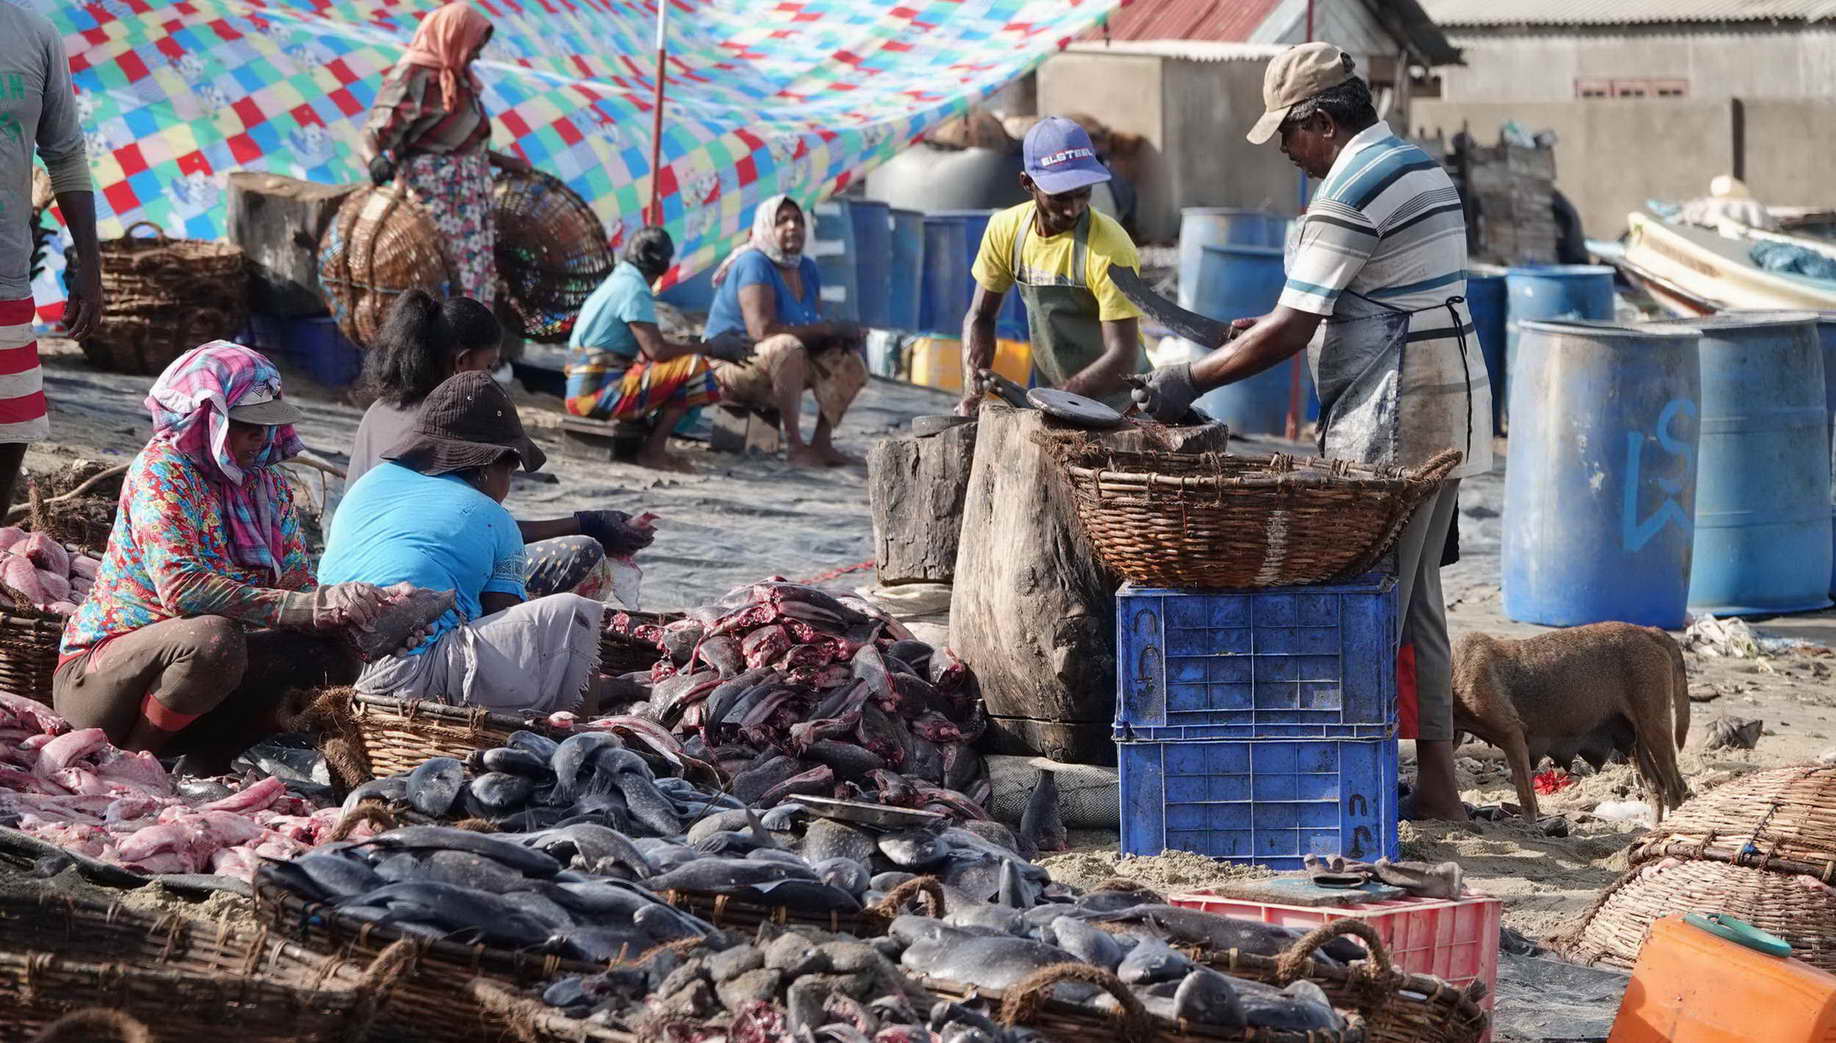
<point x="22" y="386"/>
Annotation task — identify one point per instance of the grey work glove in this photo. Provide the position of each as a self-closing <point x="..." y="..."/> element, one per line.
<point x="1166" y="393"/>
<point x="341" y="604"/>
<point x="614" y="531"/>
<point x="731" y="346"/>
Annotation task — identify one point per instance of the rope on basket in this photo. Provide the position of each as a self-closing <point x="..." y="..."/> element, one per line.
<point x="1376" y="980"/>
<point x="1021" y="1005"/>
<point x="95" y="1024"/>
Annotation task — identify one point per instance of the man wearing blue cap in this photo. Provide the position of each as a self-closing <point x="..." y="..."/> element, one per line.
<point x="1057" y="252"/>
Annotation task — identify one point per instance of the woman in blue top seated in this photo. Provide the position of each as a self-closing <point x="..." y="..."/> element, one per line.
<point x="431" y="515"/>
<point x="769" y="291"/>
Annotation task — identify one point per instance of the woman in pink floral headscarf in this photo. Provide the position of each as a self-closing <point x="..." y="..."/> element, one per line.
<point x="205" y="585"/>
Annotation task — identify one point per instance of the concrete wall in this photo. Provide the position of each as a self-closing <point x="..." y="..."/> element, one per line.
<point x="1193" y="114"/>
<point x="1519" y="66"/>
<point x="1612" y="155"/>
<point x="1790" y="152"/>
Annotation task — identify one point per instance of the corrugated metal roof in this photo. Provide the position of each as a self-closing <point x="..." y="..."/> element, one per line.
<point x="1235" y="21"/>
<point x="1191" y="50"/>
<point x="1212" y="20"/>
<point x="1451" y="13"/>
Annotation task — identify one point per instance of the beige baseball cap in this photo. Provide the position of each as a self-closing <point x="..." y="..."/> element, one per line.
<point x="1294" y="76"/>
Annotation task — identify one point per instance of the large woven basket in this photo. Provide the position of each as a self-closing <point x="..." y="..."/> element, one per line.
<point x="428" y="1001"/>
<point x="371" y="736"/>
<point x="631" y="649"/>
<point x="29" y="640"/>
<point x="1029" y="1004"/>
<point x="164" y="297"/>
<point x="1780" y="817"/>
<point x="379" y="246"/>
<point x="551" y="250"/>
<point x="1397" y="1006"/>
<point x="1803" y="912"/>
<point x="1221" y="520"/>
<point x="193" y="980"/>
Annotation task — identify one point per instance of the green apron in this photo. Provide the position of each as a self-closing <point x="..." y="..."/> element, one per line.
<point x="1062" y="315"/>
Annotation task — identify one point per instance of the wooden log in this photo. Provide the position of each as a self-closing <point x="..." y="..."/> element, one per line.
<point x="1033" y="610"/>
<point x="277" y="221"/>
<point x="916" y="485"/>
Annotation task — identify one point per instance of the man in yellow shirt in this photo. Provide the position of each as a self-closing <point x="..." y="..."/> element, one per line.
<point x="1057" y="252"/>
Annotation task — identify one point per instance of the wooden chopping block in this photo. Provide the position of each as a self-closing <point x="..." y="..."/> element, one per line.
<point x="916" y="485"/>
<point x="1033" y="610"/>
<point x="277" y="221"/>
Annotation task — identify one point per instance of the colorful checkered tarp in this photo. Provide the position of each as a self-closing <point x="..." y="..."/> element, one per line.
<point x="764" y="96"/>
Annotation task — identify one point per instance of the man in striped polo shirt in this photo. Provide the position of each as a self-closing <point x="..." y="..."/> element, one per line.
<point x="1379" y="259"/>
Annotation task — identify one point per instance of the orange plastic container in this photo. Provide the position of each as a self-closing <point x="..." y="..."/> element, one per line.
<point x="1716" y="979"/>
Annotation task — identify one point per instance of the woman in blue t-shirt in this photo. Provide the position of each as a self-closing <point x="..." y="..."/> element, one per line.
<point x="769" y="291"/>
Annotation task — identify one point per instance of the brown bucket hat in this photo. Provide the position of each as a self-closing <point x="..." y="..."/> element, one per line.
<point x="468" y="421"/>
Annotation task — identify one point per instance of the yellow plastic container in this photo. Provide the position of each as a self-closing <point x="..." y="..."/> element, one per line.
<point x="937" y="362"/>
<point x="1716" y="979"/>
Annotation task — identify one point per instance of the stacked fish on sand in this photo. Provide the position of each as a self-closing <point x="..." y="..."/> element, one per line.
<point x="791" y="691"/>
<point x="73" y="789"/>
<point x="53" y="577"/>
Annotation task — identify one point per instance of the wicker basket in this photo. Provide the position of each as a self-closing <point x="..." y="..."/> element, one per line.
<point x="165" y="296"/>
<point x="551" y="250"/>
<point x="730" y="914"/>
<point x="1779" y="815"/>
<point x="1237" y="522"/>
<point x="428" y="1002"/>
<point x="1028" y="1004"/>
<point x="379" y="246"/>
<point x="193" y="980"/>
<point x="1803" y="913"/>
<point x="1397" y="1006"/>
<point x="529" y="1020"/>
<point x="624" y="653"/>
<point x="29" y="639"/>
<point x="364" y="737"/>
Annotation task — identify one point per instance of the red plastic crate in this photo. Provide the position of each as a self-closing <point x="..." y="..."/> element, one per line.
<point x="1456" y="941"/>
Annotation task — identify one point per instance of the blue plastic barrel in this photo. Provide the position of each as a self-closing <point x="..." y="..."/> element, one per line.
<point x="1763" y="535"/>
<point x="1011" y="320"/>
<point x="831" y="243"/>
<point x="1202" y="226"/>
<point x="872" y="261"/>
<point x="1233" y="282"/>
<point x="1601" y="487"/>
<point x="1557" y="291"/>
<point x="945" y="290"/>
<point x="905" y="280"/>
<point x="1485" y="298"/>
<point x="1826" y="335"/>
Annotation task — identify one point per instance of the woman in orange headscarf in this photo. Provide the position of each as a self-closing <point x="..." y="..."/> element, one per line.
<point x="429" y="132"/>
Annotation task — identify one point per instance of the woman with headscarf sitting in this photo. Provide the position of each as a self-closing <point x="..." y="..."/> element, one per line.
<point x="204" y="606"/>
<point x="431" y="515"/>
<point x="422" y="343"/>
<point x="428" y="131"/>
<point x="620" y="367"/>
<point x="770" y="292"/>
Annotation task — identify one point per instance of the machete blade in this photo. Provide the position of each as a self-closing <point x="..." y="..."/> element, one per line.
<point x="1207" y="333"/>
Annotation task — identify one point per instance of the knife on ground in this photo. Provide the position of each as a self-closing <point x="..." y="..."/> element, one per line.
<point x="1205" y="332"/>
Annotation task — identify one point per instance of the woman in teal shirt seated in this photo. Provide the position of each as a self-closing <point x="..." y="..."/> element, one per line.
<point x="431" y="515"/>
<point x="769" y="291"/>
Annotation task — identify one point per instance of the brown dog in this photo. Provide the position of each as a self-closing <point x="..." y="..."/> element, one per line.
<point x="1587" y="691"/>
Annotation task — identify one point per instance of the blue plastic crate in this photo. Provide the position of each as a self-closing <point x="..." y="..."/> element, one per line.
<point x="1289" y="662"/>
<point x="1262" y="802"/>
